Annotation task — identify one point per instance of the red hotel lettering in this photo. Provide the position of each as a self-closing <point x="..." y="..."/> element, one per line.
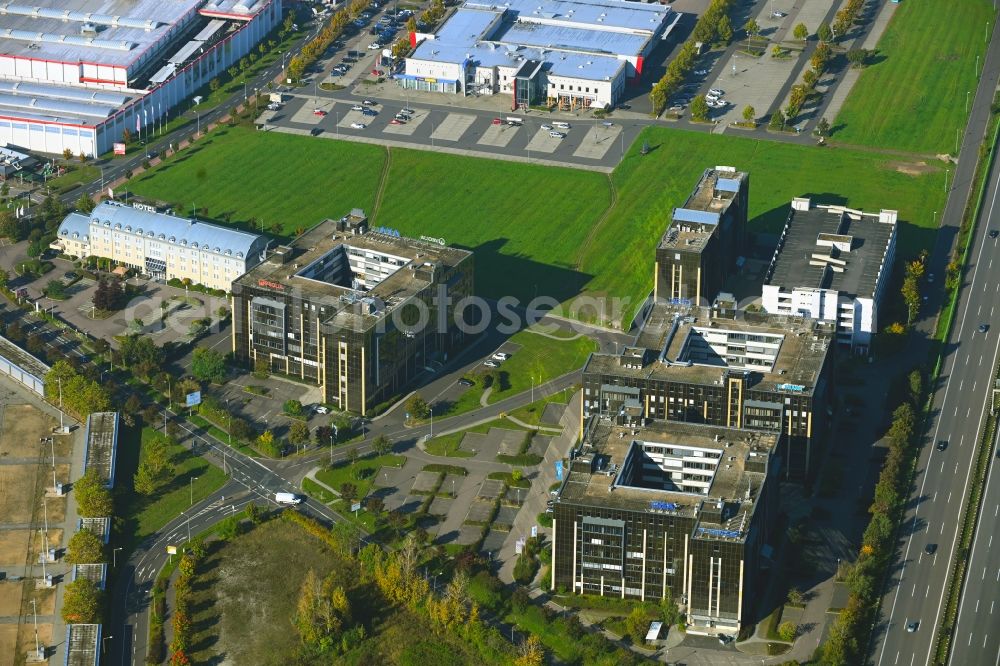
<point x="271" y="285"/>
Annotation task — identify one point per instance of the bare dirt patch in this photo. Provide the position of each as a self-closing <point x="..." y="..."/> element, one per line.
<point x="10" y="598"/>
<point x="14" y="546"/>
<point x="22" y="426"/>
<point x="915" y="168"/>
<point x="17" y="493"/>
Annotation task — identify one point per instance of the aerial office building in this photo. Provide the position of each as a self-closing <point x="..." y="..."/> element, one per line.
<point x="770" y="374"/>
<point x="78" y="74"/>
<point x="359" y="312"/>
<point x="706" y="237"/>
<point x="575" y="54"/>
<point x="833" y="264"/>
<point x="669" y="508"/>
<point x="161" y="245"/>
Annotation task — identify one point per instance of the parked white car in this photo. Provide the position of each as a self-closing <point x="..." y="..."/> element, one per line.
<point x="357" y="125"/>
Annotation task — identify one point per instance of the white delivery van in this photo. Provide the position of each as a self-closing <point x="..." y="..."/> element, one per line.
<point x="287" y="498"/>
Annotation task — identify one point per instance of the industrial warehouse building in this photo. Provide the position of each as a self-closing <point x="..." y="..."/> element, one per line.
<point x="160" y="245"/>
<point x="572" y="53"/>
<point x="833" y="264"/>
<point x="670" y="507"/>
<point x="359" y="312"/>
<point x="76" y="74"/>
<point x="704" y="242"/>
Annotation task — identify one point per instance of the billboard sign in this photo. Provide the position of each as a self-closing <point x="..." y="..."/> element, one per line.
<point x="119" y="149"/>
<point x="559" y="470"/>
<point x="193" y="398"/>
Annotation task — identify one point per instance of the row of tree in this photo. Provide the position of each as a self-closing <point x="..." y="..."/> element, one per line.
<point x="74" y="392"/>
<point x="318" y="45"/>
<point x="849" y="635"/>
<point x="713" y="26"/>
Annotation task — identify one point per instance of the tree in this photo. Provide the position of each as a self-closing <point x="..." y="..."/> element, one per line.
<point x="67" y="154"/>
<point x="293" y="407"/>
<point x="298" y="433"/>
<point x="752" y="28"/>
<point x="382" y="445"/>
<point x="85" y="204"/>
<point x="267" y="445"/>
<point x="35" y="345"/>
<point x="141" y="354"/>
<point x="725" y="29"/>
<point x="240" y="429"/>
<point x="801" y="32"/>
<point x="417" y="407"/>
<point x="842" y="21"/>
<point x="254" y="514"/>
<point x="699" y="109"/>
<point x="352" y="455"/>
<point x="824" y="33"/>
<point x="787" y="631"/>
<point x="92" y="498"/>
<point x="636" y="624"/>
<point x="214" y="84"/>
<point x="810" y="78"/>
<point x="208" y="365"/>
<point x="749" y="114"/>
<point x="795" y="596"/>
<point x="85" y="548"/>
<point x="81" y="602"/>
<point x="374" y="504"/>
<point x="916" y="386"/>
<point x="530" y="652"/>
<point x="823" y="127"/>
<point x="55" y="289"/>
<point x="858" y="57"/>
<point x="323" y="435"/>
<point x="155" y="468"/>
<point x="109" y="295"/>
<point x="777" y="121"/>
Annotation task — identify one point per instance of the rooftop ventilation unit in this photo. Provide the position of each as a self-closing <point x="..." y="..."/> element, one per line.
<point x="88" y="29"/>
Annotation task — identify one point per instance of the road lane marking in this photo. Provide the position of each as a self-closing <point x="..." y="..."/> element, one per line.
<point x="935" y="496"/>
<point x="985" y="638"/>
<point x="928" y="593"/>
<point x="977" y="605"/>
<point x="970" y="638"/>
<point x="949" y="498"/>
<point x="913" y="592"/>
<point x="984" y="573"/>
<point x="991" y="607"/>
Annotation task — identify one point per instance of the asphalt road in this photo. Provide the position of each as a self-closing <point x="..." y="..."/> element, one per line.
<point x="917" y="586"/>
<point x="943" y="476"/>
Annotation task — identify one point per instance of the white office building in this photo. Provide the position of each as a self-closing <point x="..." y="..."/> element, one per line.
<point x="161" y="245"/>
<point x="832" y="264"/>
<point x="572" y="53"/>
<point x="76" y="74"/>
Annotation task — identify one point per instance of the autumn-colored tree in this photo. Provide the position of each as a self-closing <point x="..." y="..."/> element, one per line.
<point x="85" y="548"/>
<point x="530" y="652"/>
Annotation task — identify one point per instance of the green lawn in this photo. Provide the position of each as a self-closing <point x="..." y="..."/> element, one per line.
<point x="538" y="359"/>
<point x="532" y="413"/>
<point x="447" y="445"/>
<point x="533" y="228"/>
<point x="274" y="178"/>
<point x="362" y="473"/>
<point x="914" y="97"/>
<point x="143" y="516"/>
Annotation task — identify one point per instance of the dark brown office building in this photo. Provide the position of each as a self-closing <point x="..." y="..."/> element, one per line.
<point x="359" y="312"/>
<point x="701" y="247"/>
<point x="770" y="374"/>
<point x="674" y="506"/>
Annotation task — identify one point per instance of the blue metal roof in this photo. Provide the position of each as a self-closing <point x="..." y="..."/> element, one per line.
<point x="75" y="226"/>
<point x="177" y="230"/>
<point x="696" y="216"/>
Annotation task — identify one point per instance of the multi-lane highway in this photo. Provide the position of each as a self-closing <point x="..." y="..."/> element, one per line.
<point x="917" y="589"/>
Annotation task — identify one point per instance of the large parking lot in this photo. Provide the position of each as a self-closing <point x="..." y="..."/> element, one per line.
<point x="585" y="143"/>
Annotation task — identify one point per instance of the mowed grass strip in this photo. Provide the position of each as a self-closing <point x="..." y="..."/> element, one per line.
<point x="649" y="186"/>
<point x="273" y="178"/>
<point x="914" y="97"/>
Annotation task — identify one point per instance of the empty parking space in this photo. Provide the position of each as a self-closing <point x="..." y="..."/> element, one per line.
<point x="409" y="126"/>
<point x="306" y="113"/>
<point x="498" y="135"/>
<point x="453" y="127"/>
<point x="597" y="142"/>
<point x="543" y="143"/>
<point x="348" y="117"/>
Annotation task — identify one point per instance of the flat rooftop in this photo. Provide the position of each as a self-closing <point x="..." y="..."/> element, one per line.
<point x="831" y="248"/>
<point x="583" y="39"/>
<point x="99" y="526"/>
<point x="51" y="30"/>
<point x="95" y="573"/>
<point x="308" y="266"/>
<point x="102" y="444"/>
<point x="627" y="468"/>
<point x="795" y="366"/>
<point x="82" y="641"/>
<point x="22" y="359"/>
<point x="692" y="224"/>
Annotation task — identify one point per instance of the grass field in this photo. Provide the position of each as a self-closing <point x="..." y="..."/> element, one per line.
<point x="535" y="229"/>
<point x="142" y="516"/>
<point x="361" y="473"/>
<point x="914" y="96"/>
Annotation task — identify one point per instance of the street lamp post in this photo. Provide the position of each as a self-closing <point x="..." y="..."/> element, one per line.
<point x="198" y="114"/>
<point x="114" y="557"/>
<point x="968" y="93"/>
<point x="191" y="488"/>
